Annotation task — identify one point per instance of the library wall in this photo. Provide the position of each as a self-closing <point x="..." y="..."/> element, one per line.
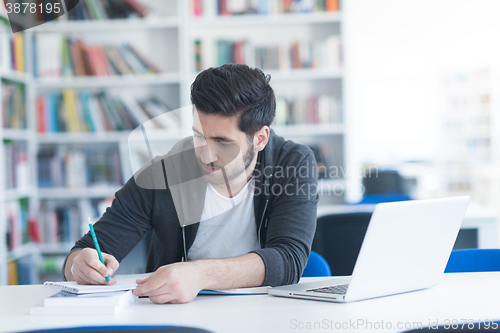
<point x="74" y="89"/>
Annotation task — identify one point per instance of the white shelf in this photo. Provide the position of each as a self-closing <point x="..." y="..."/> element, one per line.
<point x="275" y="19"/>
<point x="16" y="76"/>
<point x="108" y="81"/>
<point x="132" y="24"/>
<point x="105" y="137"/>
<point x="78" y="193"/>
<point x="16" y="134"/>
<point x="61" y="248"/>
<point x="35" y="249"/>
<point x="14" y="194"/>
<point x="58" y="138"/>
<point x="22" y="251"/>
<point x="309" y="130"/>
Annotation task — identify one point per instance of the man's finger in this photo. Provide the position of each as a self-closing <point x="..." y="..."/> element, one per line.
<point x="141" y="281"/>
<point x="111" y="262"/>
<point x="87" y="276"/>
<point x="148" y="286"/>
<point x="93" y="276"/>
<point x="157" y="292"/>
<point x="97" y="265"/>
<point x="154" y="281"/>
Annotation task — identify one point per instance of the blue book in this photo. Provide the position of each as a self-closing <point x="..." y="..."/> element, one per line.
<point x="54" y="114"/>
<point x="35" y="60"/>
<point x="85" y="100"/>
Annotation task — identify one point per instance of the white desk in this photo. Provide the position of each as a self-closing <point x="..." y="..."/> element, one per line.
<point x="476" y="217"/>
<point x="474" y="296"/>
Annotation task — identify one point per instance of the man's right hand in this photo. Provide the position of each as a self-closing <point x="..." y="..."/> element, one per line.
<point x="88" y="269"/>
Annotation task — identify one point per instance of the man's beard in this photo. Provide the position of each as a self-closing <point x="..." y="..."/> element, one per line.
<point x="226" y="176"/>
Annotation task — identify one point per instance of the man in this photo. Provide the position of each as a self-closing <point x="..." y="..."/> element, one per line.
<point x="257" y="207"/>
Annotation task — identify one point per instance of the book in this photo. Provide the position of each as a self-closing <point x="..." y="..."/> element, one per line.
<point x="322" y="109"/>
<point x="66" y="299"/>
<point x="14" y="105"/>
<point x="78" y="311"/>
<point x="75" y="288"/>
<point x="105" y="10"/>
<point x="236" y="291"/>
<point x="56" y="55"/>
<point x="320" y="54"/>
<point x="269" y="7"/>
<point x="131" y="278"/>
<point x="96" y="112"/>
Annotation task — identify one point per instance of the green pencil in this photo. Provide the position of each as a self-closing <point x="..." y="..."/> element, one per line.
<point x="97" y="246"/>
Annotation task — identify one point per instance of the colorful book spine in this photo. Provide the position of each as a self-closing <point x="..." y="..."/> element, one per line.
<point x="16" y="165"/>
<point x="106" y="10"/>
<point x="18" y="223"/>
<point x="100" y="112"/>
<point x="323" y="54"/>
<point x="62" y="56"/>
<point x="12" y="49"/>
<point x="266" y="7"/>
<point x="318" y="110"/>
<point x="14" y="105"/>
<point x="61" y="167"/>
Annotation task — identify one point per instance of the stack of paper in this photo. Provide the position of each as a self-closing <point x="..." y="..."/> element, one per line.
<point x="75" y="299"/>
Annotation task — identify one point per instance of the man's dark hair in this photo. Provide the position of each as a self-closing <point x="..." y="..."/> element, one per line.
<point x="236" y="90"/>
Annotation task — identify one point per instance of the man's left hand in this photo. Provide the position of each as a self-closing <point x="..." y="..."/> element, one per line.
<point x="175" y="283"/>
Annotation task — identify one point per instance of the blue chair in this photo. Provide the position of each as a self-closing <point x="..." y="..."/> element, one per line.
<point x="316" y="266"/>
<point x="473" y="260"/>
<point x="385" y="186"/>
<point x="123" y="329"/>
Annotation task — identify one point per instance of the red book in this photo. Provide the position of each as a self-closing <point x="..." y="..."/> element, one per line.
<point x="332" y="5"/>
<point x="77" y="59"/>
<point x="33" y="230"/>
<point x="93" y="67"/>
<point x="40" y="110"/>
<point x="238" y="52"/>
<point x="287" y="6"/>
<point x="198" y="7"/>
<point x="96" y="62"/>
<point x="102" y="61"/>
<point x="141" y="10"/>
<point x="296" y="56"/>
<point x="85" y="59"/>
<point x="223" y="10"/>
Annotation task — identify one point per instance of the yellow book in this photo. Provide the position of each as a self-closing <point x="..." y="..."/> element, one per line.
<point x="19" y="50"/>
<point x="12" y="268"/>
<point x="71" y="111"/>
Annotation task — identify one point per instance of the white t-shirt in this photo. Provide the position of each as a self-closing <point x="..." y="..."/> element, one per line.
<point x="228" y="234"/>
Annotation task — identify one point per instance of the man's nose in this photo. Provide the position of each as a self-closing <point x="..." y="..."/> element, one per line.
<point x="207" y="155"/>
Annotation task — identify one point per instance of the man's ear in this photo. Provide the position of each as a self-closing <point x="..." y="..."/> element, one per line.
<point x="261" y="138"/>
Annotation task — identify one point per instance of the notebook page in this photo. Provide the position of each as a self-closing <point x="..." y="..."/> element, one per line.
<point x="73" y="287"/>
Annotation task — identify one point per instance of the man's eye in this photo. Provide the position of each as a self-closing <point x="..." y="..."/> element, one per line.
<point x="223" y="144"/>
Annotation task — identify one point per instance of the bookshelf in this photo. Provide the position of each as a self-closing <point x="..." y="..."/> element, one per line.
<point x="468" y="124"/>
<point x="301" y="48"/>
<point x="168" y="38"/>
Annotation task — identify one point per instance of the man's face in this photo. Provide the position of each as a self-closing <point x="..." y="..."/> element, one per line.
<point x="222" y="149"/>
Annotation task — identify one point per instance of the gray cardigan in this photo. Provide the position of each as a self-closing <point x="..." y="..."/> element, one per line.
<point x="285" y="220"/>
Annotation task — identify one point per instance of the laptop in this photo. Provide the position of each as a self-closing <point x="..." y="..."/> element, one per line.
<point x="406" y="248"/>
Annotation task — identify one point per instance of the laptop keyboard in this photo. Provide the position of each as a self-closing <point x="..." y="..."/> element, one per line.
<point x="338" y="289"/>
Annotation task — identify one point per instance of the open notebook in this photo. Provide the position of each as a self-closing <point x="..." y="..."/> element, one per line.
<point x="75" y="288"/>
<point x="239" y="291"/>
